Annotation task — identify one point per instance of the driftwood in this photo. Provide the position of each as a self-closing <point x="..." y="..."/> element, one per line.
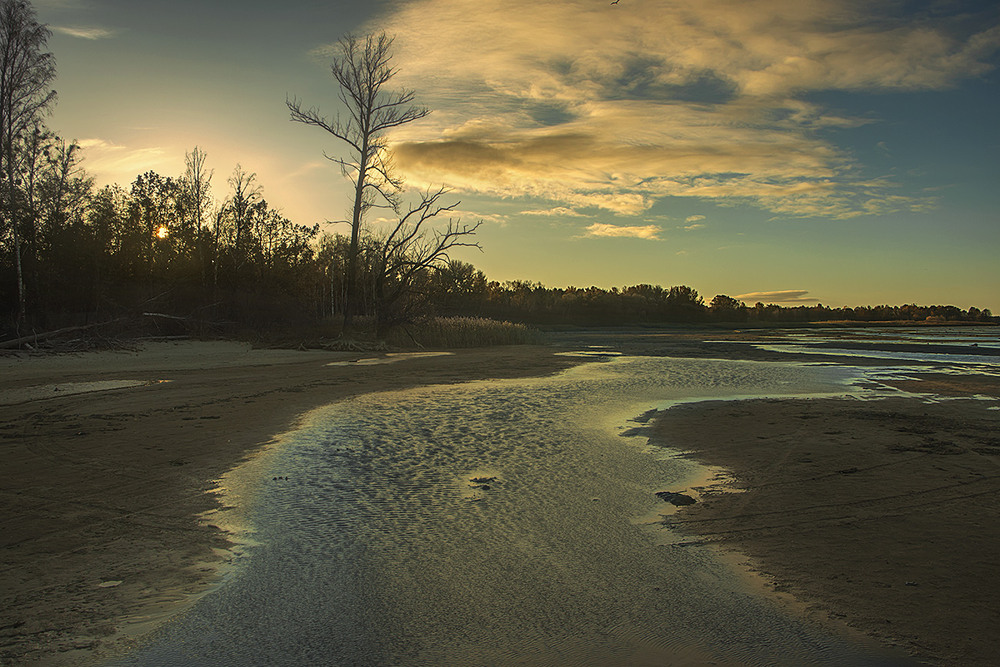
<point x="39" y="337"/>
<point x="18" y="342"/>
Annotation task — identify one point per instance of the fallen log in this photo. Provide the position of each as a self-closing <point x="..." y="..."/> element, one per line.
<point x="18" y="342"/>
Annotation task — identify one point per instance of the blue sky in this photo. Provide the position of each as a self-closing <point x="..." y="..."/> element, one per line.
<point x="791" y="151"/>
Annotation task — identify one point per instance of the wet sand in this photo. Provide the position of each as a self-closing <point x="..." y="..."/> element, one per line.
<point x="101" y="491"/>
<point x="883" y="514"/>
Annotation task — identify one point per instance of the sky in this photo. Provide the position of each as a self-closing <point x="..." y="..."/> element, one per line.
<point x="787" y="151"/>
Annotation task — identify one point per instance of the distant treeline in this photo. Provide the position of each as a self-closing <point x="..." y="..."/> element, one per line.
<point x="165" y="245"/>
<point x="464" y="290"/>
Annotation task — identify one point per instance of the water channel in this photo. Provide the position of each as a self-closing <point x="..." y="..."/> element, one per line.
<point x="496" y="523"/>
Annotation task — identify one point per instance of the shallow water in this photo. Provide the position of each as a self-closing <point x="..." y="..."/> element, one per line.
<point x="942" y="348"/>
<point x="373" y="546"/>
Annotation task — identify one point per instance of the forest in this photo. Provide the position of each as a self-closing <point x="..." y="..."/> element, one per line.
<point x="219" y="258"/>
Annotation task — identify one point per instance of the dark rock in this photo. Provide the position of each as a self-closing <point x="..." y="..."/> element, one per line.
<point x="678" y="499"/>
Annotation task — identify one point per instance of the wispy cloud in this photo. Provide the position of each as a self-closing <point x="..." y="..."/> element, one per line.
<point x="305" y="168"/>
<point x="649" y="232"/>
<point x="557" y="212"/>
<point x="471" y="216"/>
<point x="694" y="222"/>
<point x="779" y="296"/>
<point x="612" y="115"/>
<point x="115" y="163"/>
<point x="85" y="32"/>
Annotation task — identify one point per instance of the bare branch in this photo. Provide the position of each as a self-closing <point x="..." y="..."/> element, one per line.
<point x="363" y="70"/>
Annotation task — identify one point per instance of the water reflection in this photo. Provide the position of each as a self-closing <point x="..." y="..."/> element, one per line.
<point x="495" y="523"/>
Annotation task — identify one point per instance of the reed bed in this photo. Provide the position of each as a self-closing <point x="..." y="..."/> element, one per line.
<point x="456" y="332"/>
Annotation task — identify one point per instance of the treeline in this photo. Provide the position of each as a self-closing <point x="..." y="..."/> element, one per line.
<point x="162" y="244"/>
<point x="166" y="244"/>
<point x="464" y="290"/>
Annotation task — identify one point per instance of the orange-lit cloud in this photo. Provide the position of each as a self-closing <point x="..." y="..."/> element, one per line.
<point x="556" y="212"/>
<point x="649" y="232"/>
<point x="614" y="107"/>
<point x="780" y="296"/>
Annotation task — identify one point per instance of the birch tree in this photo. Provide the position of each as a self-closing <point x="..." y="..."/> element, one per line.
<point x="26" y="72"/>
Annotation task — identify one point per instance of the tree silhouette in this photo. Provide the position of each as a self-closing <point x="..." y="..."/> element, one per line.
<point x="410" y="250"/>
<point x="196" y="194"/>
<point x="26" y="70"/>
<point x="363" y="69"/>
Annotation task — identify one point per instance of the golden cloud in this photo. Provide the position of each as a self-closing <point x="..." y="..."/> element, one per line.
<point x="556" y="212"/>
<point x="649" y="232"/>
<point x="589" y="105"/>
<point x="115" y="163"/>
<point x="779" y="296"/>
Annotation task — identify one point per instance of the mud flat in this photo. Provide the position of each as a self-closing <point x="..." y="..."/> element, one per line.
<point x="102" y="489"/>
<point x="885" y="514"/>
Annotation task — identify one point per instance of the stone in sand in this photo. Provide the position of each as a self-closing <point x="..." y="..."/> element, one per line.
<point x="678" y="499"/>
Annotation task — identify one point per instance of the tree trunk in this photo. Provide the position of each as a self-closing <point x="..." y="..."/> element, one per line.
<point x="350" y="300"/>
<point x="15" y="229"/>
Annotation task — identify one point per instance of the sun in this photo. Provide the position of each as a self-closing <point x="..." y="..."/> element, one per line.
<point x="162" y="232"/>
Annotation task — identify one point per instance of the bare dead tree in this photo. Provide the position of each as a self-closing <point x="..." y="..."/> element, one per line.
<point x="26" y="72"/>
<point x="363" y="70"/>
<point x="246" y="196"/>
<point x="410" y="249"/>
<point x="197" y="187"/>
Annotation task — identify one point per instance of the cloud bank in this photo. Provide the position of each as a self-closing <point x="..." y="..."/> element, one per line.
<point x="590" y="105"/>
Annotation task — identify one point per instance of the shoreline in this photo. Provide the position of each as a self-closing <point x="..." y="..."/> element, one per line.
<point x="103" y="490"/>
<point x="879" y="514"/>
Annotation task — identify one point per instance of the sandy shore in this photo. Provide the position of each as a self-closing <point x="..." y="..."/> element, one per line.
<point x="884" y="514"/>
<point x="101" y="489"/>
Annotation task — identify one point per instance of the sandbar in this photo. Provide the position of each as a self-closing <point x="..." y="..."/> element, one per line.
<point x="102" y="490"/>
<point x="882" y="514"/>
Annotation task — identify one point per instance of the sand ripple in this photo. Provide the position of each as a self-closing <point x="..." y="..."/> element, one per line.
<point x="494" y="523"/>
